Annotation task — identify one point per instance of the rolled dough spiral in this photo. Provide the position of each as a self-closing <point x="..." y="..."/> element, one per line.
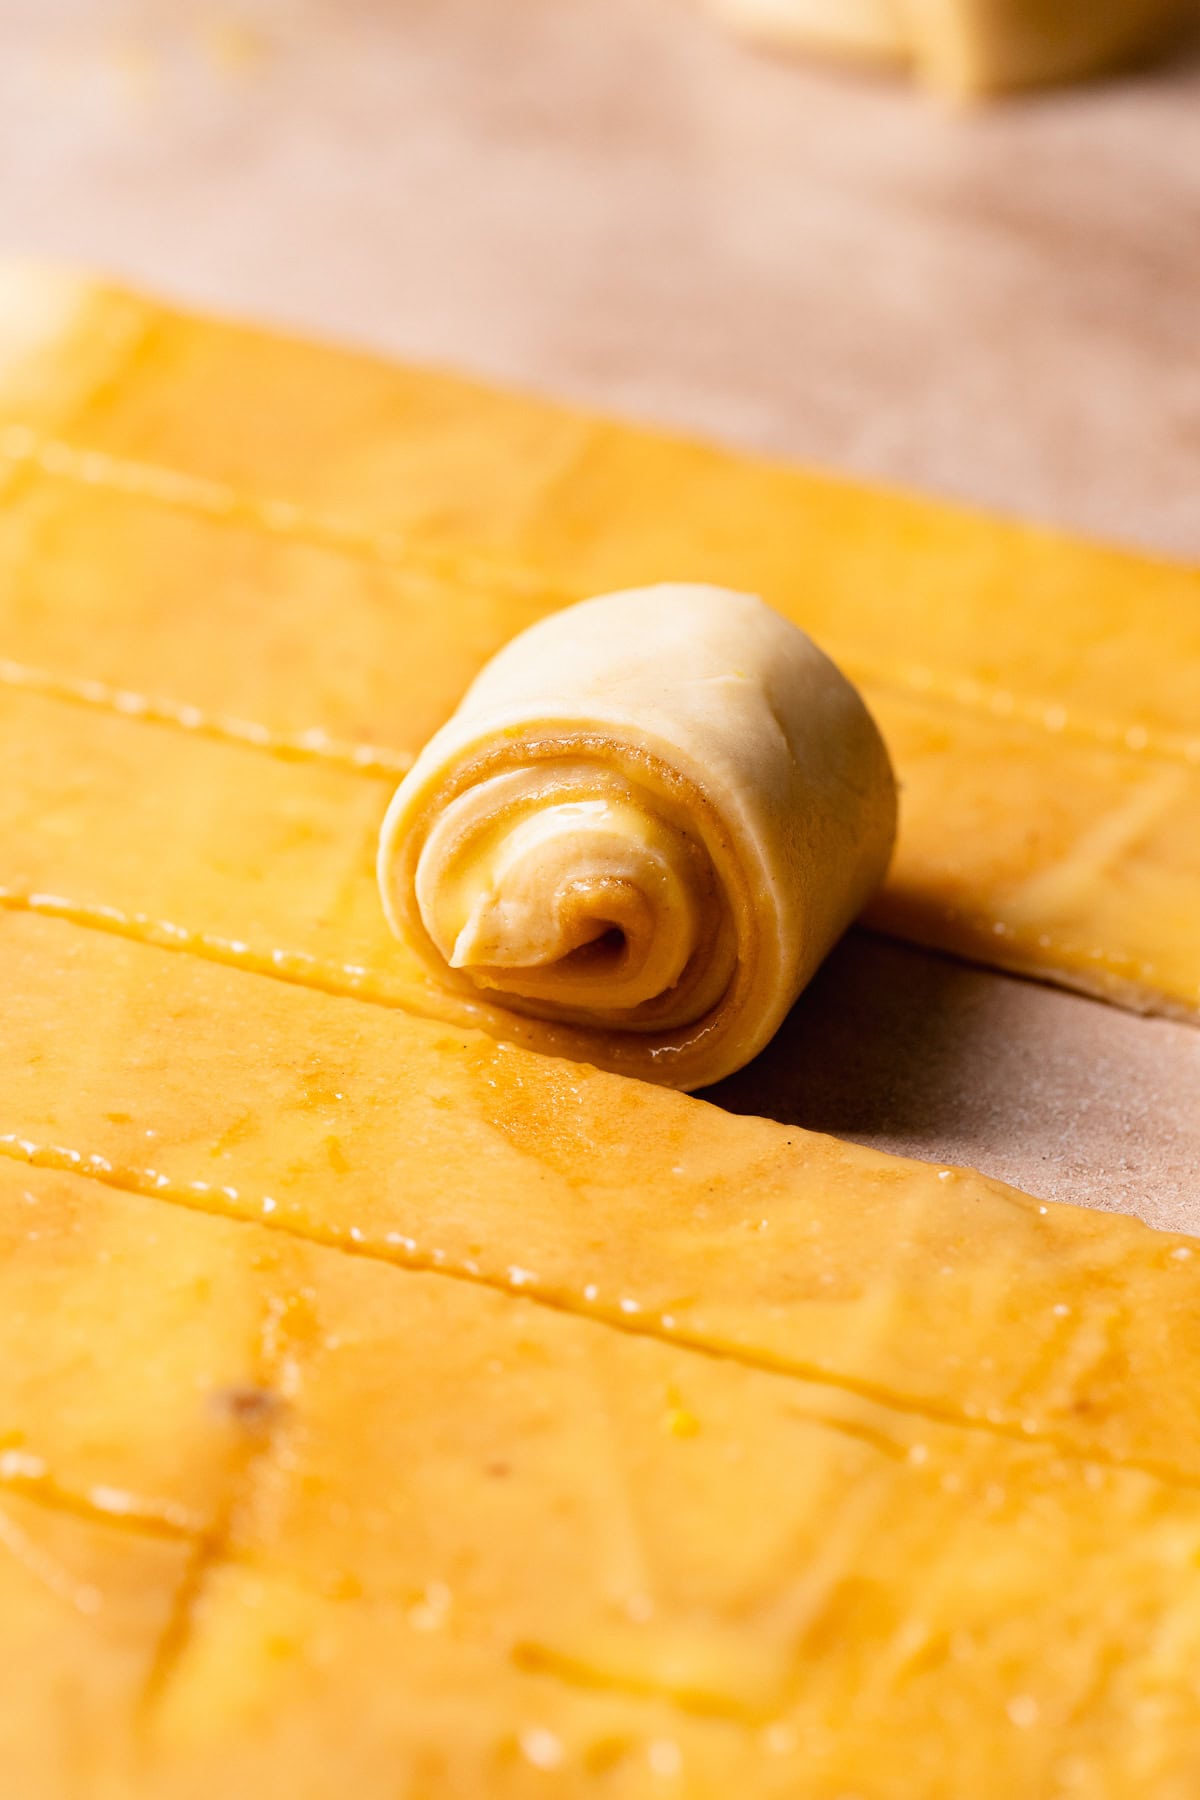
<point x="648" y="821"/>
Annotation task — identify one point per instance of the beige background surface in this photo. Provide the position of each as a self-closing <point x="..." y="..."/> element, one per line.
<point x="604" y="199"/>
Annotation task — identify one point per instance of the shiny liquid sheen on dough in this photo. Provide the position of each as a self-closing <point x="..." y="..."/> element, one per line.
<point x="388" y="1410"/>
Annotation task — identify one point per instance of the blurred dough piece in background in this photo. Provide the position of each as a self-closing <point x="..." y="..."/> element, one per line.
<point x="866" y="29"/>
<point x="969" y="48"/>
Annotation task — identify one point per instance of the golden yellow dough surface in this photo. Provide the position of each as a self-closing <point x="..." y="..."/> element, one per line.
<point x="387" y="1410"/>
<point x="312" y="553"/>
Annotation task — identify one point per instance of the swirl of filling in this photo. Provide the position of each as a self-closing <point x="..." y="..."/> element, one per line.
<point x="647" y="822"/>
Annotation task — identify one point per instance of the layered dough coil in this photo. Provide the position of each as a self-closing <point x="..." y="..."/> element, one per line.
<point x="648" y="821"/>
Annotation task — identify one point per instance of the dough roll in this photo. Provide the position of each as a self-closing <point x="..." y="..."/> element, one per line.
<point x="648" y="821"/>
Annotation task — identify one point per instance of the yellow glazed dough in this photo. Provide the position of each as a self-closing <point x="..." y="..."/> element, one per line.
<point x="649" y="819"/>
<point x="385" y="1409"/>
<point x="312" y="554"/>
<point x="389" y="1411"/>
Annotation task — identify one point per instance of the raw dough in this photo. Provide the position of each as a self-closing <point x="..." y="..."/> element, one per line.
<point x="388" y="1410"/>
<point x="649" y="819"/>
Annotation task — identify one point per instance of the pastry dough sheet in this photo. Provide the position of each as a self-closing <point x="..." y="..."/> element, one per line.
<point x="385" y="1408"/>
<point x="1037" y="695"/>
<point x="461" y="1410"/>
